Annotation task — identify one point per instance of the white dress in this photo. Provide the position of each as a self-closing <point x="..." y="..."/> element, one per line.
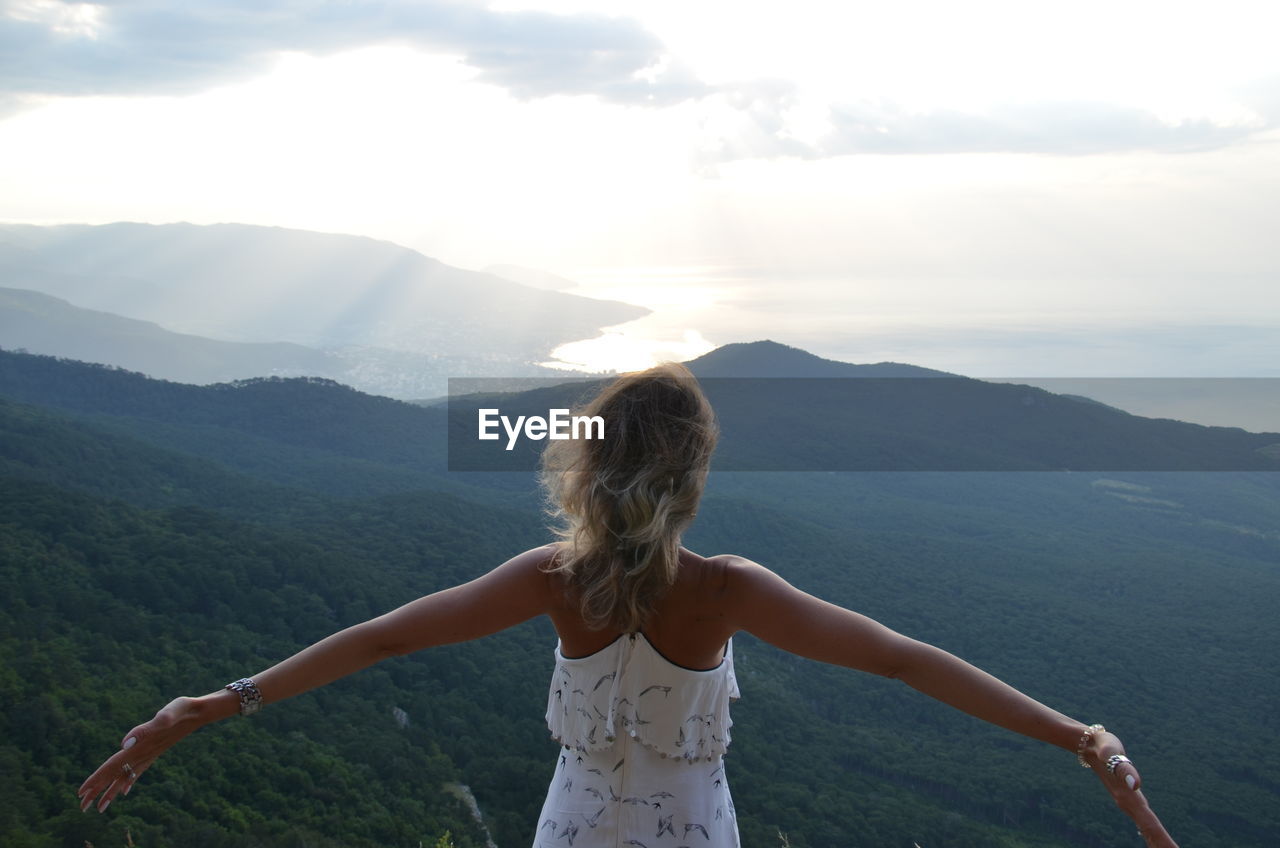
<point x="641" y="763"/>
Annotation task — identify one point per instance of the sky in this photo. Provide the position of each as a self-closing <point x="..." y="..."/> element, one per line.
<point x="992" y="188"/>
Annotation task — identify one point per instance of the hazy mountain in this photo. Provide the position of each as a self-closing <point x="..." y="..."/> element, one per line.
<point x="40" y="323"/>
<point x="531" y="277"/>
<point x="1249" y="402"/>
<point x="372" y="301"/>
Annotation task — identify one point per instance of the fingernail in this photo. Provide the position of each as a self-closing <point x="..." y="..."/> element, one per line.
<point x="1128" y="778"/>
<point x="103" y="808"/>
<point x="128" y="743"/>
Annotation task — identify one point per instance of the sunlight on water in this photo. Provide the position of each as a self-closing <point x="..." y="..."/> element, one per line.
<point x="863" y="319"/>
<point x="682" y="300"/>
<point x="617" y="350"/>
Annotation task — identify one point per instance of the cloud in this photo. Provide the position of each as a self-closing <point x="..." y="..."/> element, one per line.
<point x="147" y="47"/>
<point x="754" y="124"/>
<point x="1070" y="128"/>
<point x="155" y="47"/>
<point x="761" y="128"/>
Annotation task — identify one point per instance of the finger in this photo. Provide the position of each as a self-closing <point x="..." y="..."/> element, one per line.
<point x="1135" y="805"/>
<point x="1156" y="835"/>
<point x="1128" y="775"/>
<point x="108" y="796"/>
<point x="120" y="784"/>
<point x="115" y="760"/>
<point x="98" y="782"/>
<point x="140" y="769"/>
<point x="95" y="779"/>
<point x="123" y="783"/>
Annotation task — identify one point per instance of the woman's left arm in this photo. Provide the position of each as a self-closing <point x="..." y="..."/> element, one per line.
<point x="762" y="603"/>
<point x="513" y="592"/>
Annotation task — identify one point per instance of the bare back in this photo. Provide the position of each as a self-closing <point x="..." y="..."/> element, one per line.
<point x="689" y="626"/>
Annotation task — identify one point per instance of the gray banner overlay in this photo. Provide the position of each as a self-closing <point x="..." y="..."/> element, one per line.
<point x="906" y="423"/>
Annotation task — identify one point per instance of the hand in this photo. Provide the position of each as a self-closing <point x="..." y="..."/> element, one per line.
<point x="1125" y="786"/>
<point x="138" y="750"/>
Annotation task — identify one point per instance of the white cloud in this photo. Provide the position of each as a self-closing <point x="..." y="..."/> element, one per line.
<point x="155" y="47"/>
<point x="808" y="81"/>
<point x="1064" y="127"/>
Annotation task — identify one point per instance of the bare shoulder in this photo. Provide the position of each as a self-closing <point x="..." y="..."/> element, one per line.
<point x="716" y="572"/>
<point x="515" y="591"/>
<point x="541" y="558"/>
<point x="731" y="562"/>
<point x="738" y="573"/>
<point x="533" y="568"/>
<point x="740" y="586"/>
<point x="761" y="602"/>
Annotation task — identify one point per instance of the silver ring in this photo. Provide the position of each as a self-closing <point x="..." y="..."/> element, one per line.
<point x="1114" y="761"/>
<point x="127" y="769"/>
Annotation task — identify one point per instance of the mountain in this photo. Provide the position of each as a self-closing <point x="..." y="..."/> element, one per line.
<point x="531" y="277"/>
<point x="1252" y="403"/>
<point x="383" y="310"/>
<point x="767" y="423"/>
<point x="784" y="409"/>
<point x="771" y="359"/>
<point x="40" y="323"/>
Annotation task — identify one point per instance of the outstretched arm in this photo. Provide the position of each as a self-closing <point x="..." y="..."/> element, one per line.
<point x="766" y="606"/>
<point x="513" y="592"/>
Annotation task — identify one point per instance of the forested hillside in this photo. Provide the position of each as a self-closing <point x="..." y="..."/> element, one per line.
<point x="155" y="542"/>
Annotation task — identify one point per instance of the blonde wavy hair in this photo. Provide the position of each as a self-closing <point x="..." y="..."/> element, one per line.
<point x="622" y="502"/>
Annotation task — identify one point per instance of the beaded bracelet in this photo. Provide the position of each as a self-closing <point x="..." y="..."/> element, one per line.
<point x="1084" y="740"/>
<point x="250" y="697"/>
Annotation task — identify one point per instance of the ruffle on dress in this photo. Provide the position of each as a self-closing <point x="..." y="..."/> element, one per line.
<point x="628" y="687"/>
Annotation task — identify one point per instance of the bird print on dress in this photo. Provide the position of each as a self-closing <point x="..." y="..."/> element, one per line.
<point x="570" y="831"/>
<point x="642" y="786"/>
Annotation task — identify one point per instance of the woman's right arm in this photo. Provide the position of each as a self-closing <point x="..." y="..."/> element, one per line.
<point x="765" y="605"/>
<point x="513" y="592"/>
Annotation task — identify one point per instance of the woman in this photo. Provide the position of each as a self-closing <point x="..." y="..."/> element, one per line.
<point x="639" y="696"/>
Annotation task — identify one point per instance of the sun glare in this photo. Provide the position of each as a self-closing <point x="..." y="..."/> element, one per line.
<point x="615" y="350"/>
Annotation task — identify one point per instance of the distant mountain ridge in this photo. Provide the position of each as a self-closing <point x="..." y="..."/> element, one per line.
<point x="45" y="324"/>
<point x="381" y="311"/>
<point x="767" y="423"/>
